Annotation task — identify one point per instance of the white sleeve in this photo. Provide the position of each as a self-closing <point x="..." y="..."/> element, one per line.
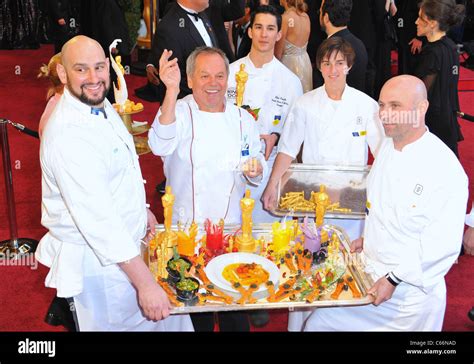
<point x="295" y="93"/>
<point x="470" y="217"/>
<point x="375" y="131"/>
<point x="82" y="176"/>
<point x="163" y="139"/>
<point x="293" y="132"/>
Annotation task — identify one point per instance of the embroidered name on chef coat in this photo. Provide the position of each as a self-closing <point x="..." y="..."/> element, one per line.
<point x="276" y="119"/>
<point x="231" y="93"/>
<point x="359" y="133"/>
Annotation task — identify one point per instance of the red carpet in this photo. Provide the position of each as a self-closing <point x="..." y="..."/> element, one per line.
<point x="23" y="297"/>
<point x="466" y="80"/>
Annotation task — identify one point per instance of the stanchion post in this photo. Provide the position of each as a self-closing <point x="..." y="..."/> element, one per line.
<point x="14" y="247"/>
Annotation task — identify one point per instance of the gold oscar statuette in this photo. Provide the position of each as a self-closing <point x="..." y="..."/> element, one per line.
<point x="241" y="78"/>
<point x="245" y="241"/>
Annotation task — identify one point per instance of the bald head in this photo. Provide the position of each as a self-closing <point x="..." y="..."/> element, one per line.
<point x="85" y="70"/>
<point x="403" y="104"/>
<point x="411" y="86"/>
<point x="80" y="44"/>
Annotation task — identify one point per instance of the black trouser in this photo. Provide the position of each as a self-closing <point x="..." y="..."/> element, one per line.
<point x="235" y="321"/>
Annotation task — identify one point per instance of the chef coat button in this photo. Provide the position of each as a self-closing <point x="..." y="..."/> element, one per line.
<point x="147" y="205"/>
<point x="144" y="181"/>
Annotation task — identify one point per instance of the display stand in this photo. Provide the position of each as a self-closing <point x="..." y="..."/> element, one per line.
<point x="141" y="142"/>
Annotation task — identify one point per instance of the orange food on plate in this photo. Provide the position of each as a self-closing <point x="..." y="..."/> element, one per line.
<point x="245" y="274"/>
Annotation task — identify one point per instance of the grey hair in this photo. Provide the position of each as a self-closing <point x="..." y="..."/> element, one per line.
<point x="191" y="61"/>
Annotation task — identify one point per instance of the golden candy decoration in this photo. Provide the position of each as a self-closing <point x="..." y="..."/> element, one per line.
<point x="295" y="201"/>
<point x="129" y="107"/>
<point x="245" y="241"/>
<point x="322" y="201"/>
<point x="241" y="78"/>
<point x="165" y="240"/>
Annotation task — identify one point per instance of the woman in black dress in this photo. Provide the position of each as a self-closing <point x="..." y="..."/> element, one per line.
<point x="438" y="67"/>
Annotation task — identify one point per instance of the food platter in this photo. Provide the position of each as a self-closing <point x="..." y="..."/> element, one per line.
<point x="216" y="267"/>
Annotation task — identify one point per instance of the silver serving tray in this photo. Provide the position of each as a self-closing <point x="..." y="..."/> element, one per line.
<point x="345" y="184"/>
<point x="353" y="266"/>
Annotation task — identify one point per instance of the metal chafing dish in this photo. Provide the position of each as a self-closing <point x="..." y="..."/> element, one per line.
<point x="352" y="267"/>
<point x="345" y="184"/>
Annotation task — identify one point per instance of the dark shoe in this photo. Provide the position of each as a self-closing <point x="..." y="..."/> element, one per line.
<point x="259" y="318"/>
<point x="161" y="187"/>
<point x="470" y="314"/>
<point x="52" y="319"/>
<point x="59" y="313"/>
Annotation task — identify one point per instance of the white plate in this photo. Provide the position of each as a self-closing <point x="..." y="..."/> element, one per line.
<point x="216" y="266"/>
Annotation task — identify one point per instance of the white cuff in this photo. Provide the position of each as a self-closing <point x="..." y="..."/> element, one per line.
<point x="165" y="132"/>
<point x="470" y="219"/>
<point x="255" y="181"/>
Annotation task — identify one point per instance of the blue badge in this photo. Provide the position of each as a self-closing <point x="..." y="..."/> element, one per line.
<point x="245" y="147"/>
<point x="359" y="133"/>
<point x="276" y="119"/>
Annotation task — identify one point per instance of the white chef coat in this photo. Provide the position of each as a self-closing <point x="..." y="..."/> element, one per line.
<point x="470" y="217"/>
<point x="333" y="132"/>
<point x="203" y="154"/>
<point x="94" y="208"/>
<point x="273" y="89"/>
<point x="416" y="205"/>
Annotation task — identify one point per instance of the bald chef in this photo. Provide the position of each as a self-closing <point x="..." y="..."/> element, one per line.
<point x="210" y="147"/>
<point x="416" y="202"/>
<point x="270" y="91"/>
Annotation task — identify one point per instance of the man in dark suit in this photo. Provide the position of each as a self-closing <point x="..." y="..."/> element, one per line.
<point x="185" y="26"/>
<point x="240" y="36"/>
<point x="221" y="11"/>
<point x="334" y="16"/>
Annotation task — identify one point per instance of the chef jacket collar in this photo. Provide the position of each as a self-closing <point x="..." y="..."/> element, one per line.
<point x="345" y="93"/>
<point x="251" y="67"/>
<point x="83" y="108"/>
<point x="407" y="148"/>
<point x="193" y="104"/>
